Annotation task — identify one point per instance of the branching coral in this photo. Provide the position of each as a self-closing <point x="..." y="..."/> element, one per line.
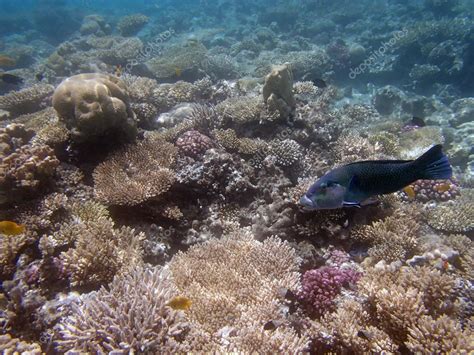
<point x="131" y="24"/>
<point x="455" y="216"/>
<point x="25" y="168"/>
<point x="13" y="346"/>
<point x="26" y="100"/>
<point x="441" y="335"/>
<point x="188" y="57"/>
<point x="321" y="286"/>
<point x="393" y="238"/>
<point x="100" y="252"/>
<point x="137" y="173"/>
<point x="234" y="284"/>
<point x="242" y="110"/>
<point x="130" y="316"/>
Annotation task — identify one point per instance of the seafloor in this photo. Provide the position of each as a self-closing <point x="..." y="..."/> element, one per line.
<point x="156" y="151"/>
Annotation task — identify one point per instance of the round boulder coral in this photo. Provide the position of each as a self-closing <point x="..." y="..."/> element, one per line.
<point x="92" y="105"/>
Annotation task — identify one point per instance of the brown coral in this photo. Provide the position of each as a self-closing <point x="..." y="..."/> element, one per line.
<point x="100" y="252"/>
<point x="131" y="24"/>
<point x="455" y="216"/>
<point x="25" y="168"/>
<point x="137" y="173"/>
<point x="26" y="100"/>
<point x="94" y="104"/>
<point x="130" y="316"/>
<point x="14" y="346"/>
<point x="234" y="284"/>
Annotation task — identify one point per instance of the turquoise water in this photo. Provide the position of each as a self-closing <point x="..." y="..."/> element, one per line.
<point x="175" y="178"/>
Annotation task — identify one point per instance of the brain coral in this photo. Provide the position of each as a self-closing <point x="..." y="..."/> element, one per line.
<point x="93" y="104"/>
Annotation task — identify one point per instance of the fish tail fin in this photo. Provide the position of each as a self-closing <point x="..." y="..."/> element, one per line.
<point x="434" y="164"/>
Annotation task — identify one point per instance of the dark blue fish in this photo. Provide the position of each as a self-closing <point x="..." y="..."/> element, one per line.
<point x="355" y="184"/>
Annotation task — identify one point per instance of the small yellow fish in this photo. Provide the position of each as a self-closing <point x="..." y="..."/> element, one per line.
<point x="118" y="70"/>
<point x="180" y="303"/>
<point x="11" y="228"/>
<point x="178" y="71"/>
<point x="410" y="192"/>
<point x="6" y="61"/>
<point x="443" y="187"/>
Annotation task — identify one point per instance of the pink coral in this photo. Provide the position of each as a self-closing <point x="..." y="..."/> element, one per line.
<point x="193" y="143"/>
<point x="321" y="286"/>
<point x="433" y="190"/>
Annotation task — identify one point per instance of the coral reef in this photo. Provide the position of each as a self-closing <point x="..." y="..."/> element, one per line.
<point x="132" y="315"/>
<point x="26" y="100"/>
<point x="137" y="173"/>
<point x="234" y="284"/>
<point x="26" y="169"/>
<point x="278" y="91"/>
<point x="131" y="24"/>
<point x="94" y="104"/>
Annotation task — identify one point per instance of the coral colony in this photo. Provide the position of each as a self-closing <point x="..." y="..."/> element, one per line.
<point x="164" y="186"/>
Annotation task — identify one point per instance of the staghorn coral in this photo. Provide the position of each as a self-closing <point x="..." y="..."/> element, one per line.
<point x="130" y="316"/>
<point x="136" y="173"/>
<point x="439" y="336"/>
<point x="13" y="346"/>
<point x="242" y="110"/>
<point x="100" y="252"/>
<point x="321" y="286"/>
<point x="26" y="169"/>
<point x="10" y="247"/>
<point x="26" y="100"/>
<point x="131" y="24"/>
<point x="349" y="328"/>
<point x="234" y="284"/>
<point x="393" y="238"/>
<point x="92" y="105"/>
<point x="193" y="143"/>
<point x="165" y="96"/>
<point x="455" y="216"/>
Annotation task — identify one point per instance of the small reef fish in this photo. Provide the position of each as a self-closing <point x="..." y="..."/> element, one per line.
<point x="410" y="191"/>
<point x="6" y="61"/>
<point x="118" y="70"/>
<point x="357" y="183"/>
<point x="443" y="187"/>
<point x="11" y="228"/>
<point x="178" y="71"/>
<point x="181" y="303"/>
<point x="10" y="79"/>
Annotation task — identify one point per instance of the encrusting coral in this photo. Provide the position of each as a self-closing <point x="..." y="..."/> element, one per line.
<point x="131" y="315"/>
<point x="92" y="105"/>
<point x="137" y="173"/>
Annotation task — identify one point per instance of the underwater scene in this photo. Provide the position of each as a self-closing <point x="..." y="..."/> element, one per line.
<point x="236" y="177"/>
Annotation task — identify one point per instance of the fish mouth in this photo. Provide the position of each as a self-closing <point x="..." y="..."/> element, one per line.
<point x="307" y="204"/>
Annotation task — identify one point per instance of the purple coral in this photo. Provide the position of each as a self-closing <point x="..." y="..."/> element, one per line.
<point x="193" y="143"/>
<point x="321" y="286"/>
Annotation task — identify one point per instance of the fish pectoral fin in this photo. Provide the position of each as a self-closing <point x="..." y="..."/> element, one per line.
<point x="370" y="201"/>
<point x="350" y="204"/>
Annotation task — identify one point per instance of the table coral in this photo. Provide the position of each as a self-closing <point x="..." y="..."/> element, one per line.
<point x="26" y="100"/>
<point x="131" y="24"/>
<point x="234" y="284"/>
<point x="136" y="173"/>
